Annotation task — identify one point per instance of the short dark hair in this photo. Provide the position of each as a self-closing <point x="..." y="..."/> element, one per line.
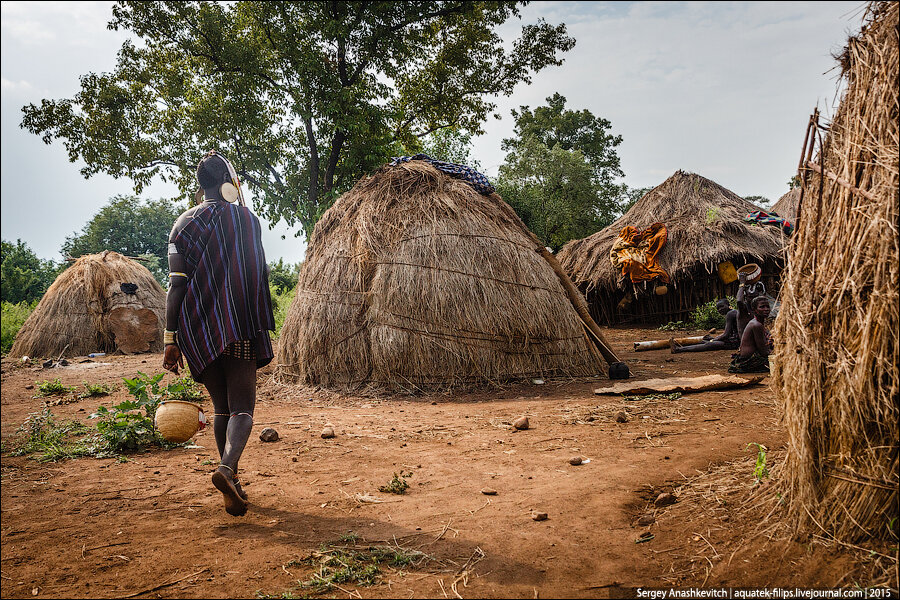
<point x="757" y="300"/>
<point x="723" y="302"/>
<point x="210" y="171"/>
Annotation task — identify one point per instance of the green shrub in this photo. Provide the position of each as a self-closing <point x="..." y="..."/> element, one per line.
<point x="704" y="316"/>
<point x="282" y="302"/>
<point x="13" y="316"/>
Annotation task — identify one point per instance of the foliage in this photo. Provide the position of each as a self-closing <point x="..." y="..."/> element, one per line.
<point x="712" y="214"/>
<point x="760" y="471"/>
<point x="50" y="440"/>
<point x="283" y="276"/>
<point x="11" y="319"/>
<point x="23" y="276"/>
<point x="630" y="196"/>
<point x="659" y="396"/>
<point x="704" y="316"/>
<point x="760" y="201"/>
<point x="397" y="485"/>
<point x="125" y="428"/>
<point x="677" y="326"/>
<point x="306" y="97"/>
<point x="559" y="172"/>
<point x="357" y="565"/>
<point x="130" y="227"/>
<point x="53" y="388"/>
<point x="281" y="303"/>
<point x="450" y="144"/>
<point x="96" y="390"/>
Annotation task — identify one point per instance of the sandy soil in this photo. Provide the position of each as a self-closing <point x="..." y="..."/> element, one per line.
<point x="101" y="528"/>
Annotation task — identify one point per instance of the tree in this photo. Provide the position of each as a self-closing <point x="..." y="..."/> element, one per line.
<point x="306" y="97"/>
<point x="283" y="276"/>
<point x="760" y="201"/>
<point x="450" y="144"/>
<point x="559" y="172"/>
<point x="130" y="227"/>
<point x="25" y="277"/>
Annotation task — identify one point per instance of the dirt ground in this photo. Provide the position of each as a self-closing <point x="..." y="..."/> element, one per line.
<point x="103" y="528"/>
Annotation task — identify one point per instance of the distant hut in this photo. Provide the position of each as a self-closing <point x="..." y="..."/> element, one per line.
<point x="706" y="229"/>
<point x="102" y="303"/>
<point x="836" y="373"/>
<point x="787" y="205"/>
<point x="413" y="280"/>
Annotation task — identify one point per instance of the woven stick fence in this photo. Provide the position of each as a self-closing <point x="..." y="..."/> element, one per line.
<point x="836" y="366"/>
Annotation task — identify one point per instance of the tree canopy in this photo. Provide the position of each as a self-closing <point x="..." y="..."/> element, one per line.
<point x="130" y="227"/>
<point x="304" y="97"/>
<point x="24" y="277"/>
<point x="560" y="170"/>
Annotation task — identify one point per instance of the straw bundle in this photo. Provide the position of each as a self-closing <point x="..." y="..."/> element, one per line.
<point x="413" y="280"/>
<point x="705" y="227"/>
<point x="87" y="309"/>
<point x="836" y="373"/>
<point x="787" y="205"/>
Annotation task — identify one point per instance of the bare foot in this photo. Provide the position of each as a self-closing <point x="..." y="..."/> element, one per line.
<point x="234" y="504"/>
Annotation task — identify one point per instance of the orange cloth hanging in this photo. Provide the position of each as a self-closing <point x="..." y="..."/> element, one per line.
<point x="634" y="253"/>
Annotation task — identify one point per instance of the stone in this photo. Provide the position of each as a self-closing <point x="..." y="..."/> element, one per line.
<point x="489" y="492"/>
<point x="327" y="433"/>
<point x="645" y="520"/>
<point x="539" y="516"/>
<point x="268" y="435"/>
<point x="575" y="461"/>
<point x="621" y="417"/>
<point x="665" y="499"/>
<point x="521" y="423"/>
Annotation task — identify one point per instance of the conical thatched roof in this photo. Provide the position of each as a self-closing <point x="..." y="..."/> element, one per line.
<point x="89" y="309"/>
<point x="413" y="280"/>
<point x="836" y="373"/>
<point x="787" y="205"/>
<point x="705" y="225"/>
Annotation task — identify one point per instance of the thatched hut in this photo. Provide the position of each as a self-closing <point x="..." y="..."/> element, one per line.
<point x="413" y="280"/>
<point x="836" y="364"/>
<point x="102" y="303"/>
<point x="706" y="228"/>
<point x="787" y="205"/>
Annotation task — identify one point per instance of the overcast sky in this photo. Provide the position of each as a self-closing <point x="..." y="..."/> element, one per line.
<point x="723" y="89"/>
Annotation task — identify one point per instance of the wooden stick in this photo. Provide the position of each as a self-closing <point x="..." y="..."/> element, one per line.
<point x="579" y="303"/>
<point x="841" y="182"/>
<point x="162" y="585"/>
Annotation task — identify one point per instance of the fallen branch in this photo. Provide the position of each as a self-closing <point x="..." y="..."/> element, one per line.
<point x="162" y="585"/>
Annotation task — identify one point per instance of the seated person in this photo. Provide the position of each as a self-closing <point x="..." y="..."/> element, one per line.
<point x="756" y="343"/>
<point x="745" y="295"/>
<point x="729" y="340"/>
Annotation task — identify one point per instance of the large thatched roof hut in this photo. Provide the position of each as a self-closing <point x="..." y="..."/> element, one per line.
<point x="102" y="303"/>
<point x="788" y="205"/>
<point x="706" y="227"/>
<point x="413" y="280"/>
<point x="836" y="372"/>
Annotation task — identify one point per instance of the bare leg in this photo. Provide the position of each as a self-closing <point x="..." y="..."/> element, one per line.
<point x="704" y="347"/>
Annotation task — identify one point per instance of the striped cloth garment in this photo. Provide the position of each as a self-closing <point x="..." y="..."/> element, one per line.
<point x="467" y="174"/>
<point x="227" y="299"/>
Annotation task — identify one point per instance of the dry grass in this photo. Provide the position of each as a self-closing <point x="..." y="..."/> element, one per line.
<point x="705" y="225"/>
<point x="836" y="369"/>
<point x="787" y="205"/>
<point x="414" y="281"/>
<point x="72" y="317"/>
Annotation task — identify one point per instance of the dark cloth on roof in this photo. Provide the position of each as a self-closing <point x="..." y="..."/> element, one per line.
<point x="227" y="299"/>
<point x="764" y="218"/>
<point x="467" y="174"/>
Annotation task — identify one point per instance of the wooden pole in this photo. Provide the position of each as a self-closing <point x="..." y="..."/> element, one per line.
<point x="578" y="302"/>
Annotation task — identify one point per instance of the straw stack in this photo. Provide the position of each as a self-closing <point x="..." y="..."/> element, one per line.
<point x="413" y="280"/>
<point x="836" y="373"/>
<point x="102" y="303"/>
